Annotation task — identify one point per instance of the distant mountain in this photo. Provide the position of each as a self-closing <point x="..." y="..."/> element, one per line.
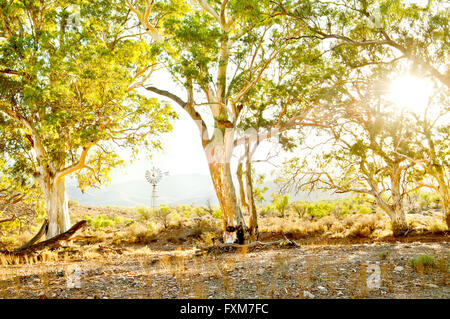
<point x="194" y="189"/>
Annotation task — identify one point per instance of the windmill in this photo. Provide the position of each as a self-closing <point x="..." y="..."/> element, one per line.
<point x="154" y="176"/>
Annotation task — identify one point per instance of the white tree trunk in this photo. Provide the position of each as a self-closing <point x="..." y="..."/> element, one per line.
<point x="397" y="213"/>
<point x="399" y="224"/>
<point x="445" y="204"/>
<point x="218" y="156"/>
<point x="253" y="220"/>
<point x="445" y="196"/>
<point x="57" y="208"/>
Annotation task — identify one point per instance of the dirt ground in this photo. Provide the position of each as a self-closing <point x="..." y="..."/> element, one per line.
<point x="351" y="270"/>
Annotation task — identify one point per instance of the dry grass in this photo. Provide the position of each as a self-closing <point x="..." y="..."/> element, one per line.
<point x="368" y="225"/>
<point x="190" y="226"/>
<point x="178" y="273"/>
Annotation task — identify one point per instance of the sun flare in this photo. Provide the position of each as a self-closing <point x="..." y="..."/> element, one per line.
<point x="411" y="92"/>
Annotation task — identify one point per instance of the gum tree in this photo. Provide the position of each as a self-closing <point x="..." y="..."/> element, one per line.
<point x="67" y="95"/>
<point x="363" y="35"/>
<point x="227" y="55"/>
<point x="217" y="51"/>
<point x="300" y="96"/>
<point x="364" y="151"/>
<point x="431" y="157"/>
<point x="370" y="32"/>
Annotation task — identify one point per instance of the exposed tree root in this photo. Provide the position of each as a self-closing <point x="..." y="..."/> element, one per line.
<point x="53" y="242"/>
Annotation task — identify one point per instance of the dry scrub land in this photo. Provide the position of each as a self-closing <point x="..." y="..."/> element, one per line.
<point x="126" y="258"/>
<point x="313" y="271"/>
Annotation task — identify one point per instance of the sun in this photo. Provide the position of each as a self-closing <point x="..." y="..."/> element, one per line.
<point x="411" y="92"/>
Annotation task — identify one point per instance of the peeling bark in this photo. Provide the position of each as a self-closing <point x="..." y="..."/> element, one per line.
<point x="239" y="174"/>
<point x="445" y="197"/>
<point x="447" y="217"/>
<point x="233" y="221"/>
<point x="445" y="203"/>
<point x="399" y="225"/>
<point x="218" y="155"/>
<point x="253" y="220"/>
<point x="437" y="170"/>
<point x="397" y="214"/>
<point x="56" y="206"/>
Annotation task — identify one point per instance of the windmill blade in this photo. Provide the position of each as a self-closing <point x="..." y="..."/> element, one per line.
<point x="148" y="176"/>
<point x="155" y="175"/>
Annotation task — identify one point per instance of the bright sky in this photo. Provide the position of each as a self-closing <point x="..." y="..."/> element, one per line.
<point x="182" y="150"/>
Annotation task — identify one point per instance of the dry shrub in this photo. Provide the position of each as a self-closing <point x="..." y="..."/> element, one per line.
<point x="203" y="225"/>
<point x="337" y="230"/>
<point x="177" y="239"/>
<point x="420" y="223"/>
<point x="327" y="222"/>
<point x="353" y="225"/>
<point x="437" y="227"/>
<point x="207" y="238"/>
<point x="348" y="221"/>
<point x="295" y="229"/>
<point x="135" y="234"/>
<point x="360" y="230"/>
<point x="364" y="225"/>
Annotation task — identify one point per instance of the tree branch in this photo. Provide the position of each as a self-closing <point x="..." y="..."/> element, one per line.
<point x="77" y="166"/>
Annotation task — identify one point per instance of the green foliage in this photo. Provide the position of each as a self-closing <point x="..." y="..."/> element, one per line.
<point x="102" y="221"/>
<point x="162" y="215"/>
<point x="280" y="202"/>
<point x="423" y="262"/>
<point x="428" y="199"/>
<point x="258" y="188"/>
<point x="143" y="213"/>
<point x="364" y="210"/>
<point x="319" y="209"/>
<point x="71" y="87"/>
<point x="217" y="213"/>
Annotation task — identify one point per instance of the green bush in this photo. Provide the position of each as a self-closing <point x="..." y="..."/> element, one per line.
<point x="319" y="209"/>
<point x="143" y="213"/>
<point x="364" y="209"/>
<point x="280" y="202"/>
<point x="101" y="221"/>
<point x="217" y="213"/>
<point x="162" y="215"/>
<point x="428" y="200"/>
<point x="423" y="261"/>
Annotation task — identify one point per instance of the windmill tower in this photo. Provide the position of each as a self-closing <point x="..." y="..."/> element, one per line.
<point x="154" y="176"/>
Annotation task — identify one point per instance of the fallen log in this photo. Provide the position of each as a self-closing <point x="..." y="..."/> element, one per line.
<point x="53" y="242"/>
<point x="223" y="248"/>
<point x="40" y="233"/>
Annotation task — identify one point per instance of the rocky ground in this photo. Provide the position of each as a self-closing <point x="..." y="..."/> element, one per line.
<point x="370" y="270"/>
